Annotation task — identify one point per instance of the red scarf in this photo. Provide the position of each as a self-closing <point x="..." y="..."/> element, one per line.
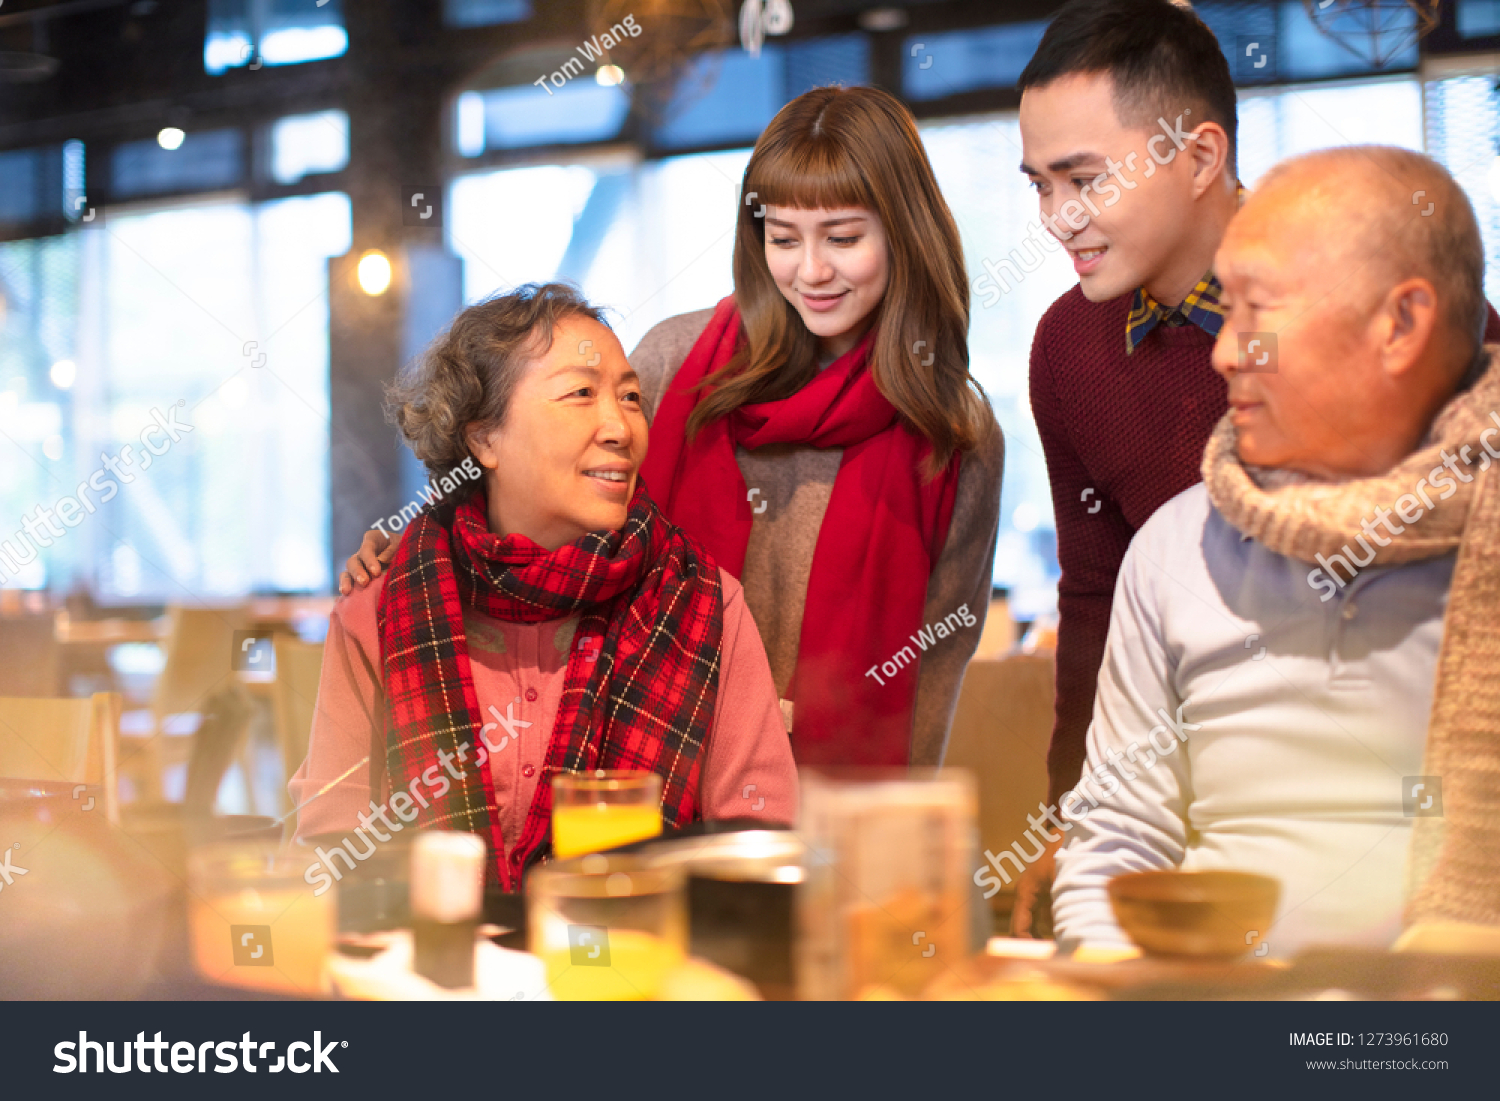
<point x="641" y="684"/>
<point x="882" y="533"/>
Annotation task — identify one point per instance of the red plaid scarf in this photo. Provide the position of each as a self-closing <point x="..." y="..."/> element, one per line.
<point x="641" y="683"/>
<point x="881" y="535"/>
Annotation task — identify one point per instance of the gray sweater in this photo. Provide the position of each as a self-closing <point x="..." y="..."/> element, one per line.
<point x="795" y="484"/>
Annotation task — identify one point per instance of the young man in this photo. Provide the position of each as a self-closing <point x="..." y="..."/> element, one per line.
<point x="1128" y="134"/>
<point x="1347" y="529"/>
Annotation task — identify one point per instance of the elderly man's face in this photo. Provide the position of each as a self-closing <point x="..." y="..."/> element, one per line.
<point x="566" y="459"/>
<point x="1308" y="403"/>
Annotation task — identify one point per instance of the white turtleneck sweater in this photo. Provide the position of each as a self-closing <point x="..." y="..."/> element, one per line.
<point x="1309" y="719"/>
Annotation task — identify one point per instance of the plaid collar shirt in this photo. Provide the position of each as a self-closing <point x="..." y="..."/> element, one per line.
<point x="1201" y="307"/>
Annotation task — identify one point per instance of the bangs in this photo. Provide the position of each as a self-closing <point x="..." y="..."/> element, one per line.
<point x="815" y="175"/>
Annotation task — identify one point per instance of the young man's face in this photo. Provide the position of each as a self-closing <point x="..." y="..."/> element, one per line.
<point x="1105" y="194"/>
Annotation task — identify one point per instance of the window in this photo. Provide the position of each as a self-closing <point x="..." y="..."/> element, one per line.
<point x="1478" y="18"/>
<point x="272" y="32"/>
<point x="1463" y="125"/>
<point x="207" y="160"/>
<point x="582" y="110"/>
<point x="207" y="315"/>
<point x="1286" y="121"/>
<point x="483" y="13"/>
<point x="38" y="349"/>
<point x="729" y="96"/>
<point x="1267" y="43"/>
<point x="32" y="185"/>
<point x="938" y="65"/>
<point x="647" y="241"/>
<point x="302" y="145"/>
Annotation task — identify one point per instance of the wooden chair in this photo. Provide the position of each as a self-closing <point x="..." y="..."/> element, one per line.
<point x="1001" y="729"/>
<point x="198" y="656"/>
<point x="63" y="741"/>
<point x="240" y="723"/>
<point x="299" y="667"/>
<point x="29" y="656"/>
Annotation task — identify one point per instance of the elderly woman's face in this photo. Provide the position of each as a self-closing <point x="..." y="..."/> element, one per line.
<point x="566" y="458"/>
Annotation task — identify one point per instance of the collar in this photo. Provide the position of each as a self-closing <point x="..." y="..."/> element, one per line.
<point x="1201" y="307"/>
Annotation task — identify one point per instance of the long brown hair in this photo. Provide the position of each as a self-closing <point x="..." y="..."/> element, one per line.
<point x="857" y="147"/>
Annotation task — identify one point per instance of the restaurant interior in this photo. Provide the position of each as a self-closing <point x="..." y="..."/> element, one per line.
<point x="226" y="225"/>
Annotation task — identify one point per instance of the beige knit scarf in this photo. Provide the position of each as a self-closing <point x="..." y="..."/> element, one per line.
<point x="1454" y="869"/>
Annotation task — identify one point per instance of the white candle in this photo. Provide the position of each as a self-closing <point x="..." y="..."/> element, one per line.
<point x="447" y="876"/>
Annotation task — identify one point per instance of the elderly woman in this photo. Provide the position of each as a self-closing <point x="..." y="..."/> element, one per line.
<point x="548" y="621"/>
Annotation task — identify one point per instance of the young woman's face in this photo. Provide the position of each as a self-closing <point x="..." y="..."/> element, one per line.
<point x="565" y="460"/>
<point x="832" y="266"/>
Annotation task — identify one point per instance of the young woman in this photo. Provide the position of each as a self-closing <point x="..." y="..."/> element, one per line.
<point x="549" y="620"/>
<point x="820" y="433"/>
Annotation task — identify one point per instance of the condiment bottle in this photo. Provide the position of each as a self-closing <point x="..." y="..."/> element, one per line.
<point x="447" y="897"/>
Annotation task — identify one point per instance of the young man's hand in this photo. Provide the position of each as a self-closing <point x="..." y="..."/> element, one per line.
<point x="1029" y="885"/>
<point x="376" y="551"/>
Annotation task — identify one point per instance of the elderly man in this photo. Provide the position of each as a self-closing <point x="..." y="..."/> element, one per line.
<point x="1300" y="672"/>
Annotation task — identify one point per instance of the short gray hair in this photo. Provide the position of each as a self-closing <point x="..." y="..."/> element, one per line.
<point x="468" y="374"/>
<point x="1420" y="222"/>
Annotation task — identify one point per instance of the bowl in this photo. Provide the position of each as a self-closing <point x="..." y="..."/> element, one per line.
<point x="1201" y="915"/>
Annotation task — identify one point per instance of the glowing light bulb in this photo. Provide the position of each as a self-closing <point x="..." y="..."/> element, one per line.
<point x="374" y="272"/>
<point x="170" y="137"/>
<point x="609" y="75"/>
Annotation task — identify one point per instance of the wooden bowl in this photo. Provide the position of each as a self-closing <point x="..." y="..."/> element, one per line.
<point x="1201" y="915"/>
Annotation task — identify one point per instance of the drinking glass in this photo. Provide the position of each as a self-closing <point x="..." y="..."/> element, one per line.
<point x="887" y="900"/>
<point x="601" y="809"/>
<point x="607" y="927"/>
<point x="255" y="922"/>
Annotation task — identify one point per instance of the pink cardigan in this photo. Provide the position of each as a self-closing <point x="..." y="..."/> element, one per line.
<point x="519" y="669"/>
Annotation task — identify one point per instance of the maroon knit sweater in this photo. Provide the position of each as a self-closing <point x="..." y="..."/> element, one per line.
<point x="1122" y="435"/>
<point x="1132" y="429"/>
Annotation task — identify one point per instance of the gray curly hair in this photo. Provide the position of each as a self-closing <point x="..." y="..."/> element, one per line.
<point x="468" y="374"/>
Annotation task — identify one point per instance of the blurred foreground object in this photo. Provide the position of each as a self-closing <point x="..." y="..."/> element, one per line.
<point x="1450" y="938"/>
<point x="255" y="922"/>
<point x="80" y="905"/>
<point x="603" y="809"/>
<point x="382" y="971"/>
<point x="1210" y="915"/>
<point x="64" y="741"/>
<point x="887" y="902"/>
<point x="609" y="928"/>
<point x="742" y="887"/>
<point x="447" y="897"/>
